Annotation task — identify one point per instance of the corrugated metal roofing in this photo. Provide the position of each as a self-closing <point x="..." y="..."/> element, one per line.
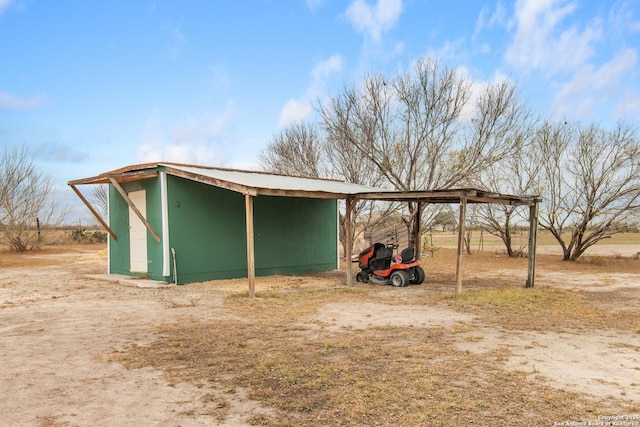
<point x="244" y="181"/>
<point x="263" y="183"/>
<point x="260" y="180"/>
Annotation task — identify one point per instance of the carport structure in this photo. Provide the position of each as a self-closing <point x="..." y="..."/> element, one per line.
<point x="462" y="197"/>
<point x="252" y="184"/>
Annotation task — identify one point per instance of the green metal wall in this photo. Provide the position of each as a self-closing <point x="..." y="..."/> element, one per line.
<point x="119" y="223"/>
<point x="294" y="235"/>
<point x="208" y="233"/>
<point x="207" y="228"/>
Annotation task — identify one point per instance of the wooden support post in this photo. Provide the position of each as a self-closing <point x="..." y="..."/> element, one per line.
<point x="463" y="220"/>
<point x="533" y="237"/>
<point x="93" y="211"/>
<point x="347" y="238"/>
<point x="418" y="231"/>
<point x="126" y="198"/>
<point x="251" y="265"/>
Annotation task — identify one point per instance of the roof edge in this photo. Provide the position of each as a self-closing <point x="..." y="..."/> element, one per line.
<point x="142" y="166"/>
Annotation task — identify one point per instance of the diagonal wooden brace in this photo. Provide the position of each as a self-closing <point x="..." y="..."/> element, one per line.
<point x="126" y="198"/>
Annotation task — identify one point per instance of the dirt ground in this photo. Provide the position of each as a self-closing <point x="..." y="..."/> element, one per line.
<point x="60" y="328"/>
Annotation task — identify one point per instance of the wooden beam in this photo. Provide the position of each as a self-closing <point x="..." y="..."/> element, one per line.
<point x="347" y="238"/>
<point x="251" y="265"/>
<point x="120" y="177"/>
<point x="134" y="176"/>
<point x="463" y="220"/>
<point x="126" y="198"/>
<point x="499" y="201"/>
<point x="533" y="237"/>
<point x="93" y="211"/>
<point x="314" y="194"/>
<point x="446" y="196"/>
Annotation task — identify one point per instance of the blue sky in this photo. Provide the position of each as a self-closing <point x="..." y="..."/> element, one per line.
<point x="90" y="86"/>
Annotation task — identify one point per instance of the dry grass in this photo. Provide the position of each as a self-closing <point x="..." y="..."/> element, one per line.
<point x="542" y="309"/>
<point x="41" y="256"/>
<point x="380" y="376"/>
<point x="384" y="375"/>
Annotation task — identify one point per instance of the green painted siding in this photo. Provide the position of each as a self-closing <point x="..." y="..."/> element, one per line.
<point x="119" y="222"/>
<point x="207" y="228"/>
<point x="294" y="235"/>
<point x="208" y="233"/>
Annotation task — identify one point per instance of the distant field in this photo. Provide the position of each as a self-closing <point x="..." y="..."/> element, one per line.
<point x="490" y="242"/>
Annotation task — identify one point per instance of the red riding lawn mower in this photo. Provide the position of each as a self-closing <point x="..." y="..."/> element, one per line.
<point x="379" y="266"/>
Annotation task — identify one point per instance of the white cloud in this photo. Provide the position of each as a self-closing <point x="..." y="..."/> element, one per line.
<point x="12" y="102"/>
<point x="629" y="106"/>
<point x="296" y="110"/>
<point x="314" y="5"/>
<point x="208" y="127"/>
<point x="5" y="4"/>
<point x="451" y="52"/>
<point x="373" y="20"/>
<point x="497" y="18"/>
<point x="592" y="86"/>
<point x="197" y="140"/>
<point x="191" y="153"/>
<point x="621" y="18"/>
<point x="321" y="72"/>
<point x="542" y="43"/>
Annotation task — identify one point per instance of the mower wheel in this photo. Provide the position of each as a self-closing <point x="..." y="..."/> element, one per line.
<point x="399" y="278"/>
<point x="362" y="277"/>
<point x="418" y="276"/>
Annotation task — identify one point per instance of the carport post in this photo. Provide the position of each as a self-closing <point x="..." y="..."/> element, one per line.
<point x="251" y="265"/>
<point x="463" y="219"/>
<point x="347" y="237"/>
<point x="533" y="237"/>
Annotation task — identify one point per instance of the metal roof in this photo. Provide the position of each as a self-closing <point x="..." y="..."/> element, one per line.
<point x="242" y="181"/>
<point x="260" y="183"/>
<point x="256" y="183"/>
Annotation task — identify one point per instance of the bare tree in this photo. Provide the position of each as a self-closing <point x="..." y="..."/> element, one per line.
<point x="100" y="198"/>
<point x="592" y="177"/>
<point x="27" y="207"/>
<point x="519" y="173"/>
<point x="296" y="150"/>
<point x="413" y="131"/>
<point x="347" y="163"/>
<point x="303" y="150"/>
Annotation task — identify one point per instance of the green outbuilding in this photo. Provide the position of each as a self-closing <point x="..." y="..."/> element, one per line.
<point x="183" y="223"/>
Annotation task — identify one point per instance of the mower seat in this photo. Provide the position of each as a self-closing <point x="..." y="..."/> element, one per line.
<point x="408" y="254"/>
<point x="382" y="260"/>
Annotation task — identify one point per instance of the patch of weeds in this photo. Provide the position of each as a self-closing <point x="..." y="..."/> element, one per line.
<point x="177" y="303"/>
<point x="48" y="421"/>
<point x="596" y="260"/>
<point x="259" y="420"/>
<point x="461" y="327"/>
<point x="540" y="308"/>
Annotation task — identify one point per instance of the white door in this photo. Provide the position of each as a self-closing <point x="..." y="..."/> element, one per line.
<point x="138" y="233"/>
